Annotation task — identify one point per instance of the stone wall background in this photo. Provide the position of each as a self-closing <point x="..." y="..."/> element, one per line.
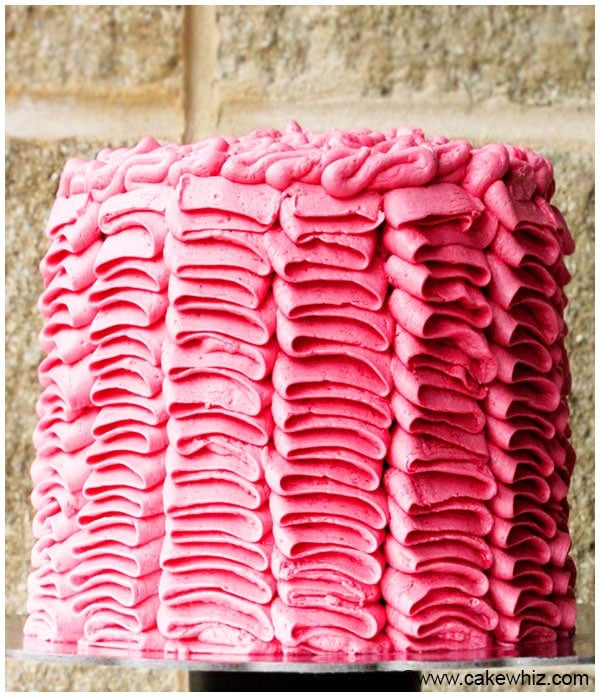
<point x="79" y="78"/>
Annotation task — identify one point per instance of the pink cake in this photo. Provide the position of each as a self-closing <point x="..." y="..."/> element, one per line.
<point x="303" y="393"/>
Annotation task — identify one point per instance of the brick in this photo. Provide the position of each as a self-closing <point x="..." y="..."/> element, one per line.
<point x="32" y="676"/>
<point x="575" y="197"/>
<point x="93" y="48"/>
<point x="531" y="55"/>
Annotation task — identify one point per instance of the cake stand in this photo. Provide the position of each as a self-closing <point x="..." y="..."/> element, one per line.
<point x="539" y="661"/>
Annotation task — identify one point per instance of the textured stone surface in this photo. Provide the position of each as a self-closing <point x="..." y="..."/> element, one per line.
<point x="97" y="47"/>
<point x="575" y="196"/>
<point x="531" y="55"/>
<point x="29" y="676"/>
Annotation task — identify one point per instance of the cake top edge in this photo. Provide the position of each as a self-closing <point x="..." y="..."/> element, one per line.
<point x="343" y="163"/>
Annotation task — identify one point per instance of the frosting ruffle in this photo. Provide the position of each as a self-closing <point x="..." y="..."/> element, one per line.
<point x="532" y="577"/>
<point x="63" y="435"/>
<point x="122" y="521"/>
<point x="330" y="438"/>
<point x="438" y="483"/>
<point x="216" y="586"/>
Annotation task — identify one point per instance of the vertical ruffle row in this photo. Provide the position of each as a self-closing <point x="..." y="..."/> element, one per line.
<point x="331" y="380"/>
<point x="63" y="435"/>
<point x="532" y="578"/>
<point x="216" y="586"/>
<point x="438" y="482"/>
<point x="122" y="521"/>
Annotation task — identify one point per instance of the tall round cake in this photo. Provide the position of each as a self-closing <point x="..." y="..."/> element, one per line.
<point x="303" y="393"/>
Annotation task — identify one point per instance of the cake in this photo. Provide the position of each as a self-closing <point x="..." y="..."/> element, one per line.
<point x="303" y="393"/>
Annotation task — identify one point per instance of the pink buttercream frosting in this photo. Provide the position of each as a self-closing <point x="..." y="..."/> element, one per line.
<point x="303" y="393"/>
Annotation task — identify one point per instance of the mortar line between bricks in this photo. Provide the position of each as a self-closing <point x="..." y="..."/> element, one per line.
<point x="55" y="118"/>
<point x="188" y="83"/>
<point x="547" y="127"/>
<point x="201" y="39"/>
<point x="112" y="120"/>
